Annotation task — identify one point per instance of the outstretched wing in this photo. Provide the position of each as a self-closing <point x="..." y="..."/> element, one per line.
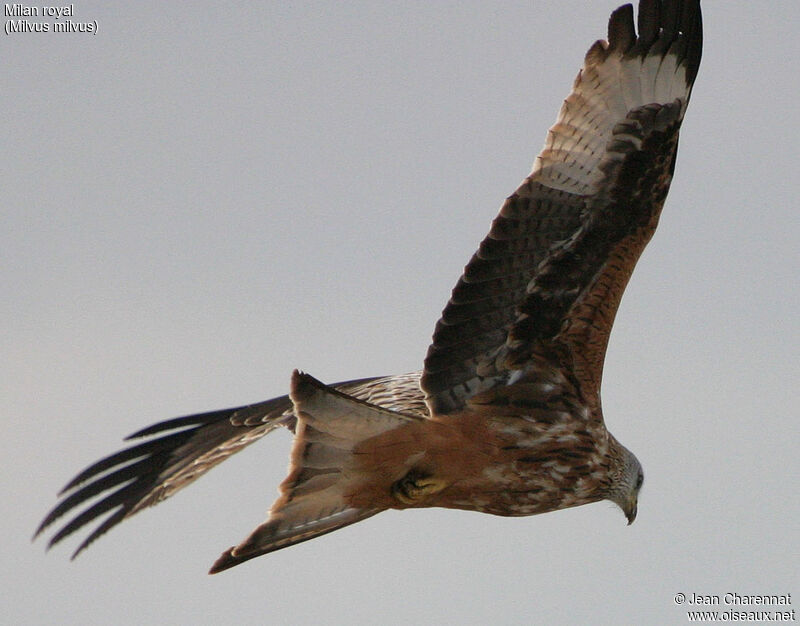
<point x="185" y="448"/>
<point x="546" y="282"/>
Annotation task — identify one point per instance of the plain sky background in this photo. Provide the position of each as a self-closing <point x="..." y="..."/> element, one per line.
<point x="202" y="197"/>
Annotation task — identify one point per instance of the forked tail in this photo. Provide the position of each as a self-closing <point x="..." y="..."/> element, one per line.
<point x="315" y="498"/>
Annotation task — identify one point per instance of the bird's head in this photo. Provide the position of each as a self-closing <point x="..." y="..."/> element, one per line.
<point x="624" y="490"/>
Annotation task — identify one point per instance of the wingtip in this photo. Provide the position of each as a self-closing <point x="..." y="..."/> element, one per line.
<point x="39" y="530"/>
<point x="694" y="28"/>
<point x="621" y="31"/>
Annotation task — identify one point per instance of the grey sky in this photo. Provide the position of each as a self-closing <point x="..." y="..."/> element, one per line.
<point x="197" y="200"/>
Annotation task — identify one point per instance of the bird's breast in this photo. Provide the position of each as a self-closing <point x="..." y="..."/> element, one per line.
<point x="501" y="464"/>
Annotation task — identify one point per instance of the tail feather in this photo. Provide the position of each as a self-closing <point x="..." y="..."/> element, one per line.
<point x="275" y="534"/>
<point x="314" y="497"/>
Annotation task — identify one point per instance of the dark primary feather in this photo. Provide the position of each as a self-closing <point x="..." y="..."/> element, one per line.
<point x="186" y="448"/>
<point x="541" y="291"/>
<point x="548" y="277"/>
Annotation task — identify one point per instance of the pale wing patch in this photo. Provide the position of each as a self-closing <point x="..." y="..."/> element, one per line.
<point x="607" y="88"/>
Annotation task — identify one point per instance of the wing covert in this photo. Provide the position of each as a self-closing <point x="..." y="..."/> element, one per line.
<point x="181" y="450"/>
<point x="548" y="277"/>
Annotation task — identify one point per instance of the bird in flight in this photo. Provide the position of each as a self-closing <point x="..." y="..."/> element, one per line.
<point x="505" y="416"/>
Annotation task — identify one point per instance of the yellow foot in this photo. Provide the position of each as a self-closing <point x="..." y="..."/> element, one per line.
<point x="415" y="486"/>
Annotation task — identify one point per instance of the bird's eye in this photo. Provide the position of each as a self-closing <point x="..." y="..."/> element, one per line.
<point x="639" y="480"/>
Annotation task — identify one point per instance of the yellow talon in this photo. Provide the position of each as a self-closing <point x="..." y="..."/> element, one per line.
<point x="414" y="486"/>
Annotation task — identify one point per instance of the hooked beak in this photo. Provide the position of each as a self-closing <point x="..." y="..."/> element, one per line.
<point x="630" y="511"/>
